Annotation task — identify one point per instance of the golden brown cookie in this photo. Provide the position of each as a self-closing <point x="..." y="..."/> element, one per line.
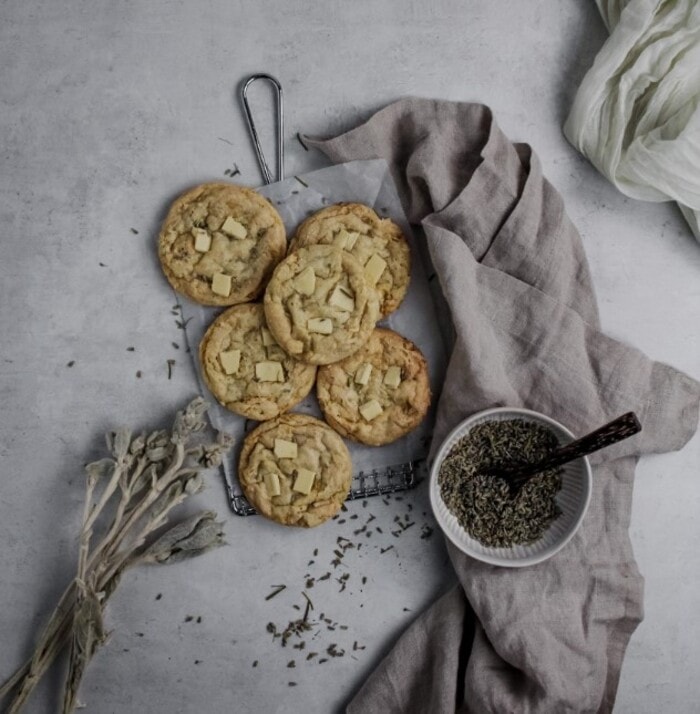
<point x="318" y="304"/>
<point x="246" y="370"/>
<point x="378" y="394"/>
<point x="377" y="244"/>
<point x="295" y="470"/>
<point x="220" y="243"/>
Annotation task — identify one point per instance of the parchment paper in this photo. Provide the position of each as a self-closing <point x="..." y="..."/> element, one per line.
<point x="367" y="182"/>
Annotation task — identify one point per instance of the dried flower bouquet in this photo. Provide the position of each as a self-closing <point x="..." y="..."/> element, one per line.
<point x="129" y="496"/>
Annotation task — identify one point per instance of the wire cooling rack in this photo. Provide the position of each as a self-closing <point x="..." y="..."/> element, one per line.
<point x="365" y="484"/>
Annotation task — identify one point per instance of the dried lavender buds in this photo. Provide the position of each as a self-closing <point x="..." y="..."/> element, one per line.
<point x="483" y="504"/>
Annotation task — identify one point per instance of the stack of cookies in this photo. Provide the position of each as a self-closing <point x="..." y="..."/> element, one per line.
<point x="345" y="269"/>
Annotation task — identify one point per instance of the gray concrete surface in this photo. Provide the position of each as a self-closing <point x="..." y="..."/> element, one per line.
<point x="107" y="110"/>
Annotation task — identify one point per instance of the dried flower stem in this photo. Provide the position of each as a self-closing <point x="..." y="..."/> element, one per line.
<point x="110" y="489"/>
<point x="120" y="530"/>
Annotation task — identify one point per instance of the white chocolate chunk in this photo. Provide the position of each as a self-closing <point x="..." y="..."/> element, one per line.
<point x="202" y="240"/>
<point x="371" y="410"/>
<point x="285" y="449"/>
<point x="345" y="240"/>
<point x="233" y="228"/>
<point x="340" y="298"/>
<point x="267" y="337"/>
<point x="272" y="483"/>
<point x="221" y="284"/>
<point x="374" y="269"/>
<point x="340" y="239"/>
<point x="230" y="361"/>
<point x="304" y="481"/>
<point x="305" y="282"/>
<point x="392" y="377"/>
<point x="364" y="371"/>
<point x="269" y="372"/>
<point x="352" y="239"/>
<point x="321" y="325"/>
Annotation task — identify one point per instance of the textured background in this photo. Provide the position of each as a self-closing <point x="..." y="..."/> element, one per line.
<point x="107" y="110"/>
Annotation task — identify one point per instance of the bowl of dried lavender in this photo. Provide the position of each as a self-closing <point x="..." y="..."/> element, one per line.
<point x="481" y="514"/>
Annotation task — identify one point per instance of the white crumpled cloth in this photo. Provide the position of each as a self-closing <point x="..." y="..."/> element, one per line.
<point x="636" y="115"/>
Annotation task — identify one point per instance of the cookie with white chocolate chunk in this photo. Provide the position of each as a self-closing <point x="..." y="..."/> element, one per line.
<point x="319" y="306"/>
<point x="378" y="394"/>
<point x="220" y="242"/>
<point x="246" y="370"/>
<point x="377" y="243"/>
<point x="295" y="470"/>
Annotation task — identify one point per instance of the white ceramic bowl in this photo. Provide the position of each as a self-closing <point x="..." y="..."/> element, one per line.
<point x="572" y="499"/>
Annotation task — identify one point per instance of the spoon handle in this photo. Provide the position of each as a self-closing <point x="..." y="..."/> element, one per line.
<point x="621" y="428"/>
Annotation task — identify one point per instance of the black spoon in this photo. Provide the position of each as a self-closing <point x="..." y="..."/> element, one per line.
<point x="517" y="473"/>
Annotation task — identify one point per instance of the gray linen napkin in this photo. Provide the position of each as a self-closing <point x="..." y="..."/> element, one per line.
<point x="548" y="638"/>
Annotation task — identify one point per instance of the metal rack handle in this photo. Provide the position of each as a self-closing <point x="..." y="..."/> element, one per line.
<point x="264" y="168"/>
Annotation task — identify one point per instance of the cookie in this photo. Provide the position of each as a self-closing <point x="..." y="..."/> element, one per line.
<point x="378" y="394"/>
<point x="220" y="243"/>
<point x="246" y="370"/>
<point x="295" y="470"/>
<point x="319" y="306"/>
<point x="377" y="243"/>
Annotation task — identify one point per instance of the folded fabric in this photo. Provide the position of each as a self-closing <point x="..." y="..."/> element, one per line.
<point x="636" y="115"/>
<point x="548" y="638"/>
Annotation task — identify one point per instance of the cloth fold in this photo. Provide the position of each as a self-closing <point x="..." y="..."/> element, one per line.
<point x="514" y="274"/>
<point x="636" y="115"/>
